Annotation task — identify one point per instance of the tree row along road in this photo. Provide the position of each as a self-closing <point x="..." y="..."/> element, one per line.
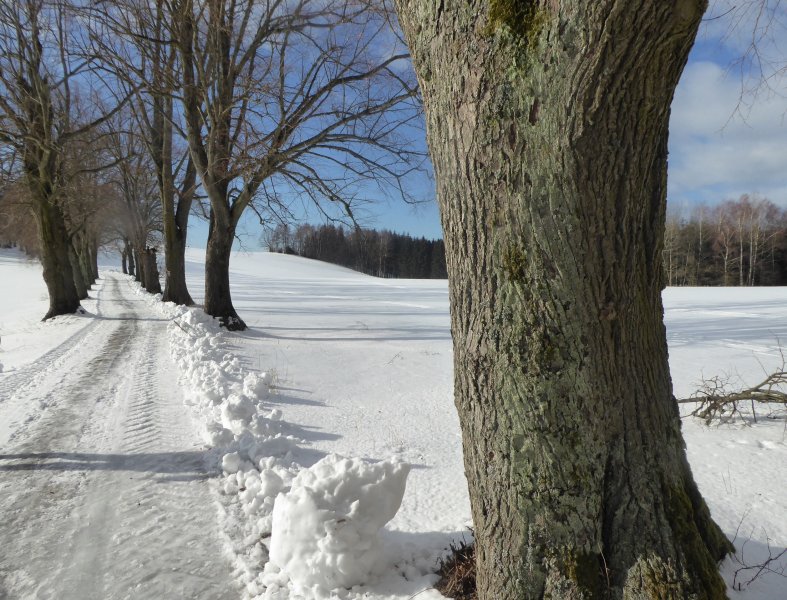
<point x="104" y="484"/>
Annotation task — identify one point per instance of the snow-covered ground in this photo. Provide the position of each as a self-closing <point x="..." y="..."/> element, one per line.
<point x="103" y="489"/>
<point x="357" y="366"/>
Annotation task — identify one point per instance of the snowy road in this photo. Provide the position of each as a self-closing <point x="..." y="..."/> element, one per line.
<point x="104" y="484"/>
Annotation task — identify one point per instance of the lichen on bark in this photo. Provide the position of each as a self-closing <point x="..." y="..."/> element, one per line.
<point x="523" y="18"/>
<point x="515" y="263"/>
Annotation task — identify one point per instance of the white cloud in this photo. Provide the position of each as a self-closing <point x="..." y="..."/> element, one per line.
<point x="720" y="148"/>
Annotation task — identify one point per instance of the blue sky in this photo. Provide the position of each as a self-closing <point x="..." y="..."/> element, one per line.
<point x="724" y="142"/>
<point x="727" y="134"/>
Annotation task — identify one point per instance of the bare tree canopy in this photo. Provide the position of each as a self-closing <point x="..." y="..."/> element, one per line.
<point x="250" y="104"/>
<point x="50" y="100"/>
<point x="136" y="43"/>
<point x="281" y="97"/>
<point x="754" y="30"/>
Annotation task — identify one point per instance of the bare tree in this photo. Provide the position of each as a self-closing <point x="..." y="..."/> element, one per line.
<point x="283" y="97"/>
<point x="43" y="69"/>
<point x="137" y="43"/>
<point x="17" y="228"/>
<point x="757" y="27"/>
<point x="699" y="219"/>
<point x="724" y="242"/>
<point x="138" y="210"/>
<point x="671" y="248"/>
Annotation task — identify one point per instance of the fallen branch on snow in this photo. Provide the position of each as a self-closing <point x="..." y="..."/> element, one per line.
<point x="716" y="401"/>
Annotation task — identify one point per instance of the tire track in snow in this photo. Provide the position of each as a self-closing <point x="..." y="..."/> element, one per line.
<point x="26" y="379"/>
<point x="107" y="494"/>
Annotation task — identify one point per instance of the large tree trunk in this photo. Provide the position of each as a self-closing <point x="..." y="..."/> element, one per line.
<point x="176" y="206"/>
<point x="129" y="251"/>
<point x="76" y="270"/>
<point x="175" y="288"/>
<point x="218" y="301"/>
<point x="82" y="247"/>
<point x="93" y="249"/>
<point x="139" y="274"/>
<point x="151" y="280"/>
<point x="175" y="231"/>
<point x="547" y="127"/>
<point x="58" y="274"/>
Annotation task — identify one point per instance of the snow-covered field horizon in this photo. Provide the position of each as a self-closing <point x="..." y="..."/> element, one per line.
<point x="340" y="363"/>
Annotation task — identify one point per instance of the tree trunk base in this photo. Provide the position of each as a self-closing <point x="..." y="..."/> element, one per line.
<point x="170" y="295"/>
<point x="232" y="322"/>
<point x="57" y="311"/>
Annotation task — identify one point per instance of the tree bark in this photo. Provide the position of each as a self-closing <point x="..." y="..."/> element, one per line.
<point x="175" y="287"/>
<point x="218" y="301"/>
<point x="58" y="274"/>
<point x="176" y="215"/>
<point x="82" y="247"/>
<point x="130" y="257"/>
<point x="152" y="283"/>
<point x="93" y="247"/>
<point x="139" y="274"/>
<point x="76" y="270"/>
<point x="547" y="126"/>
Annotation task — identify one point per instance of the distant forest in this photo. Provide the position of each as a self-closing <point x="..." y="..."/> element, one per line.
<point x="378" y="253"/>
<point x="738" y="242"/>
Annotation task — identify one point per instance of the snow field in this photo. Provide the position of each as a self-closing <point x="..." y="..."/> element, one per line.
<point x="103" y="479"/>
<point x="340" y="363"/>
<point x="315" y="529"/>
<point x="25" y="339"/>
<point x="364" y="368"/>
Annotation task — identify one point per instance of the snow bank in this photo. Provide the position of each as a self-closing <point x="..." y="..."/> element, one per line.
<point x="325" y="529"/>
<point x="319" y="526"/>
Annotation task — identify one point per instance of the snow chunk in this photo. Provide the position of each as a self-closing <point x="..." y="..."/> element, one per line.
<point x="325" y="529"/>
<point x="230" y="463"/>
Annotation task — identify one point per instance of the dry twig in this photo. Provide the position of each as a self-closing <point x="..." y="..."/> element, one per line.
<point x="746" y="573"/>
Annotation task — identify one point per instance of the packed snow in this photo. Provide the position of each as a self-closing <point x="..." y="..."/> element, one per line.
<point x="329" y="447"/>
<point x="325" y="528"/>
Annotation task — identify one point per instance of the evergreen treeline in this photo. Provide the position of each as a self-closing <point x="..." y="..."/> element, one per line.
<point x="378" y="253"/>
<point x="738" y="242"/>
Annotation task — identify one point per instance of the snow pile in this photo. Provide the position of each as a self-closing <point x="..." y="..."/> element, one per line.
<point x="230" y="398"/>
<point x="321" y="524"/>
<point x="325" y="529"/>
